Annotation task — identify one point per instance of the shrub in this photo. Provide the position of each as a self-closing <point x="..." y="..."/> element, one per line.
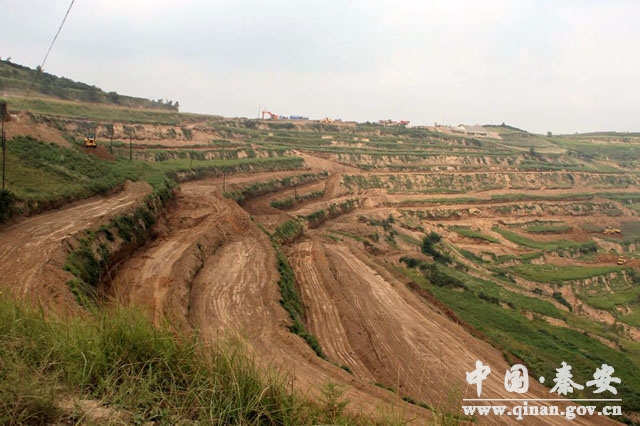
<point x="288" y="231"/>
<point x="7" y="205"/>
<point x="428" y="247"/>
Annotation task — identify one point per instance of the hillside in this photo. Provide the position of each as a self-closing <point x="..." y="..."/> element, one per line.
<point x="384" y="260"/>
<point x="16" y="79"/>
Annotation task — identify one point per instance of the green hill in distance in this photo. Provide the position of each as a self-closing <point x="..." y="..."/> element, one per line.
<point x="19" y="79"/>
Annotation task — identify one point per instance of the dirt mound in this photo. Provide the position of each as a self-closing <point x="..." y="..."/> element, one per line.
<point x="100" y="152"/>
<point x="25" y="124"/>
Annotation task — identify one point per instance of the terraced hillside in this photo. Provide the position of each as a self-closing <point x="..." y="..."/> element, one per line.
<point x="386" y="259"/>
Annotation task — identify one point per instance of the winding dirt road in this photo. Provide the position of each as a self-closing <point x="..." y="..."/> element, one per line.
<point x="33" y="249"/>
<point x="212" y="269"/>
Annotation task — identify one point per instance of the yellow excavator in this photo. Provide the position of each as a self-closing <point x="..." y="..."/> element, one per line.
<point x="90" y="141"/>
<point x="622" y="260"/>
<point x="610" y="231"/>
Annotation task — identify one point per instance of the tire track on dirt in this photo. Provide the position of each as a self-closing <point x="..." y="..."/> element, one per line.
<point x="159" y="276"/>
<point x="215" y="270"/>
<point x="322" y="316"/>
<point x="397" y="339"/>
<point x="33" y="250"/>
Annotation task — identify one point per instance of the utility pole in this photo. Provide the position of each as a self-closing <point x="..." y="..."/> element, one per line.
<point x="111" y="147"/>
<point x="4" y="116"/>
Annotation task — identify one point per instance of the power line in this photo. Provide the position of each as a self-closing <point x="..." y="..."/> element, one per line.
<point x="50" y="47"/>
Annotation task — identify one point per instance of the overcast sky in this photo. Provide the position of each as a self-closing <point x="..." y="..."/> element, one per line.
<point x="560" y="65"/>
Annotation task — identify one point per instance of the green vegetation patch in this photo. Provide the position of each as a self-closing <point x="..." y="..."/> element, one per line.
<point x="466" y="231"/>
<point x="291" y="201"/>
<point x="261" y="188"/>
<point x="37" y="171"/>
<point x="543" y="347"/>
<point x="586" y="247"/>
<point x="611" y="299"/>
<point x="98" y="112"/>
<point x="561" y="274"/>
<point x="291" y="300"/>
<point x="288" y="232"/>
<point x="41" y="175"/>
<point x="144" y="374"/>
<point x="318" y="217"/>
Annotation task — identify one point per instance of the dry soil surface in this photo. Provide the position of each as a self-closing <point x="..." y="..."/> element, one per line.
<point x="33" y="249"/>
<point x="214" y="270"/>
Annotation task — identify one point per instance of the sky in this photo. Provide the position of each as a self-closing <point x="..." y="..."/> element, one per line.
<point x="563" y="66"/>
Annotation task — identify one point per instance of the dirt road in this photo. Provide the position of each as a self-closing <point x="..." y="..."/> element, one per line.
<point x="33" y="249"/>
<point x="214" y="269"/>
<point x="385" y="334"/>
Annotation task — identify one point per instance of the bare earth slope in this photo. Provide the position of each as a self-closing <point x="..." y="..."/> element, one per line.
<point x="32" y="249"/>
<point x="214" y="269"/>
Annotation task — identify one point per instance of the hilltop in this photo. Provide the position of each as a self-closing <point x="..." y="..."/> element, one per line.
<point x="17" y="80"/>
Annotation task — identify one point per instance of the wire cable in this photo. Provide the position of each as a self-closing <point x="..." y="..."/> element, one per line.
<point x="50" y="47"/>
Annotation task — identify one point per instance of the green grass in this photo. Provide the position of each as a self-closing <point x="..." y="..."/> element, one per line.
<point x="349" y="235"/>
<point x="633" y="318"/>
<point x="497" y="312"/>
<point x="561" y="274"/>
<point x="409" y="239"/>
<point x="466" y="231"/>
<point x="41" y="175"/>
<point x="44" y="172"/>
<point x="16" y="78"/>
<point x="288" y="231"/>
<point x="548" y="229"/>
<point x="318" y="217"/>
<point x="117" y="358"/>
<point x="514" y="300"/>
<point x="546" y="245"/>
<point x="260" y="188"/>
<point x="291" y="301"/>
<point x="540" y="345"/>
<point x="291" y="201"/>
<point x="623" y="152"/>
<point x="609" y="300"/>
<point x="99" y="112"/>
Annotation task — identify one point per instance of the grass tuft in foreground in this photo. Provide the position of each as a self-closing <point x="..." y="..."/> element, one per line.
<point x="137" y="372"/>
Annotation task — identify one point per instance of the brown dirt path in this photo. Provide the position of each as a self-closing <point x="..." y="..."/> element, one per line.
<point x="386" y="334"/>
<point x="33" y="249"/>
<point x="215" y="270"/>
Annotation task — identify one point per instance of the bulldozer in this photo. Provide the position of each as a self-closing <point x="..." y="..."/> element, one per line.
<point x="622" y="260"/>
<point x="90" y="141"/>
<point x="610" y="231"/>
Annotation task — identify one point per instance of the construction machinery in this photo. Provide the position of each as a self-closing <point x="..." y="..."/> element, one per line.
<point x="90" y="141"/>
<point x="610" y="231"/>
<point x="271" y="115"/>
<point x="622" y="260"/>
